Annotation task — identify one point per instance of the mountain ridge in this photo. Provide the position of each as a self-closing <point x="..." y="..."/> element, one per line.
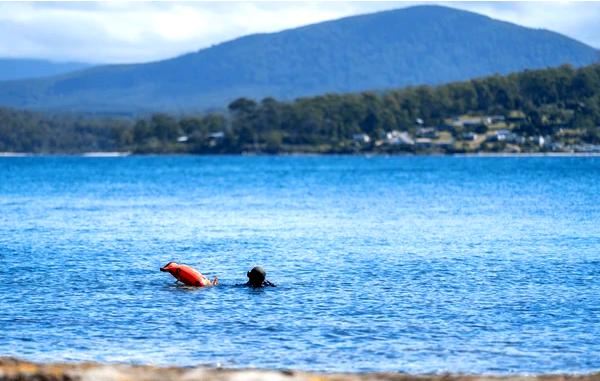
<point x="426" y="44"/>
<point x="12" y="69"/>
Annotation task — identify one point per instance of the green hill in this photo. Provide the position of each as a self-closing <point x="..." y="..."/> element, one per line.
<point x="550" y="110"/>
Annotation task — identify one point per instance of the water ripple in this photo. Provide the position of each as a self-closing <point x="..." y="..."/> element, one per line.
<point x="474" y="265"/>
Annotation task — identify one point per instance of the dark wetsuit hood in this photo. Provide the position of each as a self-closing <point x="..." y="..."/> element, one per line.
<point x="257" y="277"/>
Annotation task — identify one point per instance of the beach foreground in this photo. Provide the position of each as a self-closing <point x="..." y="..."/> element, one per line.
<point x="12" y="369"/>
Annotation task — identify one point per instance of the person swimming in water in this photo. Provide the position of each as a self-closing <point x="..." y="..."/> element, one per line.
<point x="257" y="278"/>
<point x="187" y="275"/>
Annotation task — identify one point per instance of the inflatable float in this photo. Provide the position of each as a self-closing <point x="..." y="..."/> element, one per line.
<point x="187" y="275"/>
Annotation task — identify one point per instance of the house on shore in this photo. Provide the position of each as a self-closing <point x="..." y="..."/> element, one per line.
<point x="494" y="119"/>
<point x="426" y="132"/>
<point x="361" y="138"/>
<point x="507" y="136"/>
<point x="215" y="138"/>
<point x="469" y="136"/>
<point x="396" y="137"/>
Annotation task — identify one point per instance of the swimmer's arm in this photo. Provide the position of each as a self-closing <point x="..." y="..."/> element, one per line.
<point x="267" y="283"/>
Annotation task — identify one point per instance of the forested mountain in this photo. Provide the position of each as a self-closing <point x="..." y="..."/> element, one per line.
<point x="554" y="109"/>
<point x="18" y="68"/>
<point x="391" y="49"/>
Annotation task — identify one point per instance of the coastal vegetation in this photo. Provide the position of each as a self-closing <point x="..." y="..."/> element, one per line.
<point x="556" y="109"/>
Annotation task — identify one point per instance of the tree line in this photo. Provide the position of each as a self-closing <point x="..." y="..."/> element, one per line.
<point x="551" y="100"/>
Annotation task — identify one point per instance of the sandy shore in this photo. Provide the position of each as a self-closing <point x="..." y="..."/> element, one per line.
<point x="15" y="370"/>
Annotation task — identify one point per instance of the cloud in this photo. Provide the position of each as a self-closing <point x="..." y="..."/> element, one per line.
<point x="578" y="20"/>
<point x="140" y="31"/>
<point x="129" y="32"/>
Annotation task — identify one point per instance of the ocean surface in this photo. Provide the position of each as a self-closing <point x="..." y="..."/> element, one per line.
<point x="411" y="264"/>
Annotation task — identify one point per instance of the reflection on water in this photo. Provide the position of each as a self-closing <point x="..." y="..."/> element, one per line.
<point x="403" y="264"/>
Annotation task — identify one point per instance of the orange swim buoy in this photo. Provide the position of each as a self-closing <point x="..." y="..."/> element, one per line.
<point x="187" y="275"/>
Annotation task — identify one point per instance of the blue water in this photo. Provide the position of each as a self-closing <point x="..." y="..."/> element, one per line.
<point x="413" y="264"/>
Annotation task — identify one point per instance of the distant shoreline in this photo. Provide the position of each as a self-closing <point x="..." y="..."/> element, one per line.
<point x="12" y="369"/>
<point x="367" y="154"/>
<point x="531" y="154"/>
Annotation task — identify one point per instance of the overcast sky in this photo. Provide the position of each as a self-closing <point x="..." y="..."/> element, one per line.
<point x="137" y="31"/>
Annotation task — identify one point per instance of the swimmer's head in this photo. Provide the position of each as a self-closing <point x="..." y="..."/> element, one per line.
<point x="256" y="276"/>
